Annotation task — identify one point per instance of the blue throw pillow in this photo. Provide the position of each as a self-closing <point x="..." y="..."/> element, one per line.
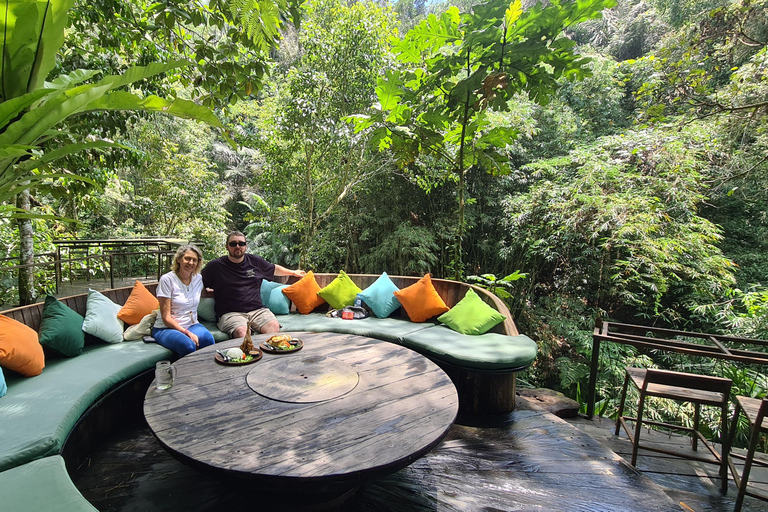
<point x="3" y="386"/>
<point x="266" y="290"/>
<point x="380" y="296"/>
<point x="279" y="304"/>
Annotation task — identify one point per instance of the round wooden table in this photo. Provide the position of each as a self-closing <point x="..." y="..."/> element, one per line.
<point x="342" y="410"/>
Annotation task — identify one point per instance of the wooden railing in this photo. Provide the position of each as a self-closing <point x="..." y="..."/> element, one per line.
<point x="79" y="264"/>
<point x="715" y="346"/>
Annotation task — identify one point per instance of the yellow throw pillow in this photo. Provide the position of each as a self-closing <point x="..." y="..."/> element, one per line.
<point x="420" y="300"/>
<point x="303" y="293"/>
<point x="341" y="292"/>
<point x="140" y="303"/>
<point x="20" y="350"/>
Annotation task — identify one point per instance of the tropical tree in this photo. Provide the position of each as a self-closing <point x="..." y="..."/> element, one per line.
<point x="227" y="42"/>
<point x="33" y="139"/>
<point x="617" y="224"/>
<point x="458" y="68"/>
<point x="313" y="160"/>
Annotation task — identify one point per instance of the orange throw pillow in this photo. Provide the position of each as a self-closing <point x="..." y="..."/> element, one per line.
<point x="421" y="301"/>
<point x="140" y="303"/>
<point x="20" y="350"/>
<point x="303" y="293"/>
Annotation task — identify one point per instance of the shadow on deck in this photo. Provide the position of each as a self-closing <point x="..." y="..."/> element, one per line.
<point x="529" y="460"/>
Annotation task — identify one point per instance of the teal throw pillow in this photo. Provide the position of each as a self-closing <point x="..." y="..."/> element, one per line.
<point x="380" y="296"/>
<point x="61" y="328"/>
<point x="3" y="386"/>
<point x="279" y="304"/>
<point x="205" y="309"/>
<point x="341" y="292"/>
<point x="266" y="290"/>
<point x="471" y="315"/>
<point x="101" y="318"/>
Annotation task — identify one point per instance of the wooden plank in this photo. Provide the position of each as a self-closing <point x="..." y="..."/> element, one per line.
<point x="32" y="316"/>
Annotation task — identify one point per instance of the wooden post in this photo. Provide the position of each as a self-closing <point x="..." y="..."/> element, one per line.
<point x="593" y="376"/>
<point x="483" y="393"/>
<point x="57" y="267"/>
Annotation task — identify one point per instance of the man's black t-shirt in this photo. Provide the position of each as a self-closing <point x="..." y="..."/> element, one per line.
<point x="237" y="286"/>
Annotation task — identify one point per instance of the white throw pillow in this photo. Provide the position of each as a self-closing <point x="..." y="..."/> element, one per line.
<point x="101" y="318"/>
<point x="141" y="329"/>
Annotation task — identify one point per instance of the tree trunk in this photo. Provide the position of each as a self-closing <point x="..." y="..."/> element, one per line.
<point x="27" y="293"/>
<point x="310" y="227"/>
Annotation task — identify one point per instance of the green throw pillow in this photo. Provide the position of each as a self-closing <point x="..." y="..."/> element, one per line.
<point x="101" y="318"/>
<point x="61" y="328"/>
<point x="471" y="315"/>
<point x="341" y="292"/>
<point x="206" y="309"/>
<point x="278" y="303"/>
<point x="380" y="296"/>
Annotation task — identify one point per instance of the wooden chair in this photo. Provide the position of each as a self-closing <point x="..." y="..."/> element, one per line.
<point x="756" y="411"/>
<point x="686" y="387"/>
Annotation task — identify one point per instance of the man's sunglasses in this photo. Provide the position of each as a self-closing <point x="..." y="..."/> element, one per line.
<point x="235" y="244"/>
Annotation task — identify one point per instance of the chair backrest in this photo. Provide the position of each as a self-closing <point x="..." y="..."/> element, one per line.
<point x="762" y="414"/>
<point x="689" y="380"/>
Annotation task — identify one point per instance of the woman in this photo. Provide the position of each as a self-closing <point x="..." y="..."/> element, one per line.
<point x="178" y="293"/>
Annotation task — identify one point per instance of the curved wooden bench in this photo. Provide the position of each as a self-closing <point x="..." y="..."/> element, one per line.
<point x="117" y="400"/>
<point x="51" y="421"/>
<point x="483" y="389"/>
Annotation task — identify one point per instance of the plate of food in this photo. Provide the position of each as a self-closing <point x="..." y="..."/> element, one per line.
<point x="281" y="344"/>
<point x="236" y="357"/>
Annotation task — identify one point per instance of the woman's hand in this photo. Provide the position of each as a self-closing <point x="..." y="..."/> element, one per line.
<point x="193" y="337"/>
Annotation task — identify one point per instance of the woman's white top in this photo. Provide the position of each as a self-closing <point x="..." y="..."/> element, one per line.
<point x="184" y="299"/>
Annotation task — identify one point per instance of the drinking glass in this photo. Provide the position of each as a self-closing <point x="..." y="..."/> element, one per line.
<point x="164" y="374"/>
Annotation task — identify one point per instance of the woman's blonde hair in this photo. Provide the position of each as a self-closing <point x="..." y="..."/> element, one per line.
<point x="180" y="253"/>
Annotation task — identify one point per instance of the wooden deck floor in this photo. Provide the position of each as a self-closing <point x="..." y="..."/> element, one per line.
<point x="529" y="460"/>
<point x="695" y="484"/>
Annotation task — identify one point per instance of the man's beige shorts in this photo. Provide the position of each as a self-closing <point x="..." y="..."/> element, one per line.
<point x="228" y="322"/>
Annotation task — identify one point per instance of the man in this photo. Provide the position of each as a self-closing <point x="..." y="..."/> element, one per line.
<point x="236" y="282"/>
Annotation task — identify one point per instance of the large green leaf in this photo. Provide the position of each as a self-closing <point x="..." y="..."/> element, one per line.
<point x="136" y="73"/>
<point x="32" y="33"/>
<point x="389" y="90"/>
<point x="69" y="149"/>
<point x="13" y="107"/>
<point x="14" y="151"/>
<point x="37" y="121"/>
<point x="121" y="100"/>
<point x="12" y="186"/>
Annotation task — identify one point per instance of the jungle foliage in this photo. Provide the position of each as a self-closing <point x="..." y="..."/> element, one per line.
<point x="612" y="158"/>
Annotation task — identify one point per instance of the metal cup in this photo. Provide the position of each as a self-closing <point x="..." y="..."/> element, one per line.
<point x="164" y="374"/>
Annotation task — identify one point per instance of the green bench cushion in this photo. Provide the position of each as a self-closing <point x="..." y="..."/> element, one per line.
<point x="387" y="329"/>
<point x="38" y="413"/>
<point x="43" y="484"/>
<point x="213" y="328"/>
<point x="487" y="352"/>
